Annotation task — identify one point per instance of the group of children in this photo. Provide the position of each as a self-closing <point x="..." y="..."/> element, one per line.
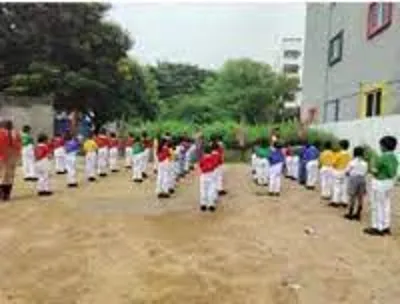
<point x="343" y="178"/>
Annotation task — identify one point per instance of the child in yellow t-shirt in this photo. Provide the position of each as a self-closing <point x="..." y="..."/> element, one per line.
<point x="90" y="149"/>
<point x="326" y="160"/>
<point x="341" y="160"/>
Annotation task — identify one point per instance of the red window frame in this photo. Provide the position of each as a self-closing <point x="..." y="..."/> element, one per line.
<point x="373" y="28"/>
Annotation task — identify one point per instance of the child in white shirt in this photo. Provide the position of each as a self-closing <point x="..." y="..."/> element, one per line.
<point x="356" y="171"/>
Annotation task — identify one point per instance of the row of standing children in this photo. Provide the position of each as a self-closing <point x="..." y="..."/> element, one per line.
<point x="343" y="179"/>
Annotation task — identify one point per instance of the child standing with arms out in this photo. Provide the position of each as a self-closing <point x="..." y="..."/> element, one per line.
<point x="341" y="160"/>
<point x="207" y="165"/>
<point x="163" y="155"/>
<point x="72" y="147"/>
<point x="128" y="151"/>
<point x="114" y="151"/>
<point x="311" y="157"/>
<point x="90" y="149"/>
<point x="137" y="159"/>
<point x="384" y="175"/>
<point x="356" y="172"/>
<point x="326" y="160"/>
<point x="28" y="154"/>
<point x="59" y="154"/>
<point x="42" y="155"/>
<point x="276" y="161"/>
<point x="102" y="142"/>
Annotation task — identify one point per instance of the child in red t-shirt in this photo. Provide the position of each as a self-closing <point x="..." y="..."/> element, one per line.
<point x="42" y="156"/>
<point x="163" y="159"/>
<point x="59" y="154"/>
<point x="102" y="142"/>
<point x="128" y="151"/>
<point x="207" y="166"/>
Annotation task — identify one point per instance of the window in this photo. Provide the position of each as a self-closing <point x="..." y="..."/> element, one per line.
<point x="335" y="49"/>
<point x="292" y="54"/>
<point x="291" y="68"/>
<point x="331" y="110"/>
<point x="373" y="103"/>
<point x="379" y="18"/>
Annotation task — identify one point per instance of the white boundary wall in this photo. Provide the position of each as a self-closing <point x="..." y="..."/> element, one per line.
<point x="365" y="131"/>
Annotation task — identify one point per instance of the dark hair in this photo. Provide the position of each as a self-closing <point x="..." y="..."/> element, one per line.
<point x="68" y="135"/>
<point x="264" y="142"/>
<point x="388" y="143"/>
<point x="328" y="145"/>
<point x="278" y="145"/>
<point x="26" y="129"/>
<point x="144" y="134"/>
<point x="102" y="131"/>
<point x="344" y="144"/>
<point x="207" y="148"/>
<point x="113" y="135"/>
<point x="161" y="144"/>
<point x="137" y="138"/>
<point x="8" y="125"/>
<point x="358" y="152"/>
<point x="130" y="134"/>
<point x="42" y="138"/>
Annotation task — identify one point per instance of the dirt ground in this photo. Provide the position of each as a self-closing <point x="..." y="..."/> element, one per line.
<point x="113" y="242"/>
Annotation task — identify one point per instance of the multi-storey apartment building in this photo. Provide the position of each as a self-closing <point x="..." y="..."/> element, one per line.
<point x="351" y="59"/>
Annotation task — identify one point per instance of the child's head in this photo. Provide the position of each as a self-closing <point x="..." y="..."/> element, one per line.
<point x="137" y="138"/>
<point x="26" y="129"/>
<point x="130" y="134"/>
<point x="91" y="134"/>
<point x="358" y="152"/>
<point x="144" y="134"/>
<point x="264" y="142"/>
<point x="328" y="145"/>
<point x="208" y="149"/>
<point x="317" y="144"/>
<point x="68" y="135"/>
<point x="113" y="135"/>
<point x="278" y="145"/>
<point x="42" y="138"/>
<point x="103" y="131"/>
<point x="344" y="144"/>
<point x="388" y="143"/>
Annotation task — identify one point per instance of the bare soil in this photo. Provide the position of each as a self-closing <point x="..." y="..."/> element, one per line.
<point x="113" y="242"/>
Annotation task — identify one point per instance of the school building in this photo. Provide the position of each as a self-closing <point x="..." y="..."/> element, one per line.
<point x="351" y="61"/>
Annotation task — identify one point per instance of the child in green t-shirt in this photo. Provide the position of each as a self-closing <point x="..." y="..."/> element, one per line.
<point x="137" y="159"/>
<point x="262" y="153"/>
<point x="28" y="156"/>
<point x="384" y="174"/>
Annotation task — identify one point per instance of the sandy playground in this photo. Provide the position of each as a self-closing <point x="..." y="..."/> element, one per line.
<point x="113" y="242"/>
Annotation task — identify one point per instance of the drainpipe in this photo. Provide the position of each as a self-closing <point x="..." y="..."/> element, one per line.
<point x="328" y="37"/>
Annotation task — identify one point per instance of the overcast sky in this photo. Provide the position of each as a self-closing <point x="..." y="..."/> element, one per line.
<point x="208" y="34"/>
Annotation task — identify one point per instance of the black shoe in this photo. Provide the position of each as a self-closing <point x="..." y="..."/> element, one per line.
<point x="311" y="188"/>
<point x="7" y="192"/>
<point x="222" y="192"/>
<point x="203" y="208"/>
<point x="357" y="217"/>
<point x="75" y="185"/>
<point x="42" y="193"/>
<point x="48" y="193"/>
<point x="348" y="217"/>
<point x="103" y="174"/>
<point x="144" y="175"/>
<point x="386" y="231"/>
<point x="115" y="171"/>
<point x="91" y="179"/>
<point x="253" y="172"/>
<point x="211" y="209"/>
<point x="171" y="191"/>
<point x="128" y="167"/>
<point x="334" y="205"/>
<point x="270" y="194"/>
<point x="155" y="171"/>
<point x="277" y="194"/>
<point x="372" y="231"/>
<point x="343" y="205"/>
<point x="61" y="172"/>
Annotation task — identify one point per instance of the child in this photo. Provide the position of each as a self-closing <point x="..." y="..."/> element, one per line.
<point x="171" y="168"/>
<point x="28" y="154"/>
<point x="288" y="153"/>
<point x="128" y="151"/>
<point x="254" y="158"/>
<point x="356" y="172"/>
<point x="155" y="149"/>
<point x="102" y="142"/>
<point x="302" y="175"/>
<point x="90" y="149"/>
<point x="59" y="154"/>
<point x="219" y="170"/>
<point x="207" y="181"/>
<point x="295" y="161"/>
<point x="276" y="160"/>
<point x="137" y="159"/>
<point x="384" y="175"/>
<point x="311" y="157"/>
<point x="114" y="151"/>
<point x="71" y="148"/>
<point x="326" y="172"/>
<point x="262" y="169"/>
<point x="147" y="145"/>
<point x="163" y="155"/>
<point x="341" y="160"/>
<point x="42" y="156"/>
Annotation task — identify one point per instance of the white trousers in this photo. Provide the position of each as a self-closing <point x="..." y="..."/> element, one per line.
<point x="59" y="158"/>
<point x="326" y="181"/>
<point x="90" y="164"/>
<point x="207" y="189"/>
<point x="219" y="176"/>
<point x="162" y="185"/>
<point x="295" y="167"/>
<point x="312" y="173"/>
<point x="275" y="176"/>
<point x="43" y="175"/>
<point x="262" y="171"/>
<point x="289" y="166"/>
<point x="28" y="161"/>
<point x="137" y="166"/>
<point x="71" y="168"/>
<point x="102" y="160"/>
<point x="253" y="163"/>
<point x="187" y="160"/>
<point x="380" y="204"/>
<point x="171" y="175"/>
<point x="145" y="159"/>
<point x="113" y="158"/>
<point x="155" y="160"/>
<point x="128" y="157"/>
<point x="339" y="194"/>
